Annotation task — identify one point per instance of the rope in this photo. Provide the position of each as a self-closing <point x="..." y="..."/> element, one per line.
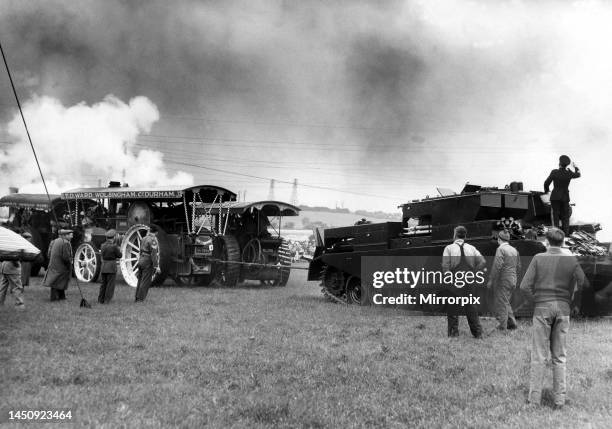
<point x="207" y="214"/>
<point x="193" y="210"/>
<point x="186" y="214"/>
<point x="256" y="264"/>
<point x="84" y="302"/>
<point x="28" y="133"/>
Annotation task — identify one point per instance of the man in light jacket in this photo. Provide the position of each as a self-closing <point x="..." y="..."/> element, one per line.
<point x="503" y="279"/>
<point x="553" y="278"/>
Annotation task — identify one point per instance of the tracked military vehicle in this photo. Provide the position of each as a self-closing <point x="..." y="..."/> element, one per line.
<point x="427" y="226"/>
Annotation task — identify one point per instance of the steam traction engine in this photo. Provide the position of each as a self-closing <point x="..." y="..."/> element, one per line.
<point x="205" y="237"/>
<point x="261" y="253"/>
<point x="185" y="252"/>
<point x="427" y="226"/>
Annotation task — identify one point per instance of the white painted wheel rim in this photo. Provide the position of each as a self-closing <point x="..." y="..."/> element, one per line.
<point x="130" y="249"/>
<point x="85" y="263"/>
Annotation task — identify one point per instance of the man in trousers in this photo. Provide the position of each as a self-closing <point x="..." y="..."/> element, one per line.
<point x="11" y="281"/>
<point x="503" y="280"/>
<point x="148" y="263"/>
<point x="60" y="265"/>
<point x="461" y="256"/>
<point x="109" y="253"/>
<point x="559" y="197"/>
<point x="552" y="279"/>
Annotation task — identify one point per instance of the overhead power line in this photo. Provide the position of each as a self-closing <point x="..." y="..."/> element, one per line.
<point x="285" y="181"/>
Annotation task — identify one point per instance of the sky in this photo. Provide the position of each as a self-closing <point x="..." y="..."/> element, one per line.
<point x="367" y="104"/>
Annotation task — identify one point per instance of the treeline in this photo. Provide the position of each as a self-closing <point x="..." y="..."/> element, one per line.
<point x="323" y="209"/>
<point x="364" y="213"/>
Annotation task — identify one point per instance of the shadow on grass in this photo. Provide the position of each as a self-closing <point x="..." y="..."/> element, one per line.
<point x="266" y="413"/>
<point x="312" y="298"/>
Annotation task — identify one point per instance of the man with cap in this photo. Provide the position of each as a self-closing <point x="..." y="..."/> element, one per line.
<point x="559" y="198"/>
<point x="148" y="263"/>
<point x="109" y="252"/>
<point x="60" y="265"/>
<point x="503" y="280"/>
<point x="462" y="257"/>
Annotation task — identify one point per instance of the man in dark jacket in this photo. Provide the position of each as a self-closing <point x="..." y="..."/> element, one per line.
<point x="148" y="263"/>
<point x="461" y="256"/>
<point x="109" y="252"/>
<point x="555" y="280"/>
<point x="559" y="198"/>
<point x="60" y="265"/>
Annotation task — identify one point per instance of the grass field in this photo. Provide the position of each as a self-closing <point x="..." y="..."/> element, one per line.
<point x="252" y="357"/>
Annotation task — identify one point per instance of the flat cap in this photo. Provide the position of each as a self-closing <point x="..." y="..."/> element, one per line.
<point x="26" y="234"/>
<point x="504" y="235"/>
<point x="110" y="233"/>
<point x="564" y="160"/>
<point x="65" y="231"/>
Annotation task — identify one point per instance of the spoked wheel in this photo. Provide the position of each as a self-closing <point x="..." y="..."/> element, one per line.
<point x="86" y="263"/>
<point x="354" y="291"/>
<point x="226" y="268"/>
<point x="282" y="268"/>
<point x="252" y="253"/>
<point x="130" y="248"/>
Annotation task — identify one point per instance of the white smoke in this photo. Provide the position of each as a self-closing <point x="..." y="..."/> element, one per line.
<point x="81" y="145"/>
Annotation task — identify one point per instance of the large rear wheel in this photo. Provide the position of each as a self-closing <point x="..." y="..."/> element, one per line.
<point x="87" y="263"/>
<point x="282" y="268"/>
<point x="226" y="268"/>
<point x="130" y="249"/>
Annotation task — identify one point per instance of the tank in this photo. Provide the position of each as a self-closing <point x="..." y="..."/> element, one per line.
<point x="427" y="226"/>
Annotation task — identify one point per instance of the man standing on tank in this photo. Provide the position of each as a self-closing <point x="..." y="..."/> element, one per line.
<point x="109" y="253"/>
<point x="503" y="280"/>
<point x="461" y="256"/>
<point x="559" y="198"/>
<point x="148" y="263"/>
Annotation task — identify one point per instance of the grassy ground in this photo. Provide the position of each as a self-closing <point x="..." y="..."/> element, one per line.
<point x="251" y="357"/>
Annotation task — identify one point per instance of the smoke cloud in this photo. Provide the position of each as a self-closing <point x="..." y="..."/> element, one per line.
<point x="379" y="98"/>
<point x="84" y="144"/>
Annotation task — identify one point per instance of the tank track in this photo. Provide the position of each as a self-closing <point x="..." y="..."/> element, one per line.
<point x="284" y="257"/>
<point x="329" y="285"/>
